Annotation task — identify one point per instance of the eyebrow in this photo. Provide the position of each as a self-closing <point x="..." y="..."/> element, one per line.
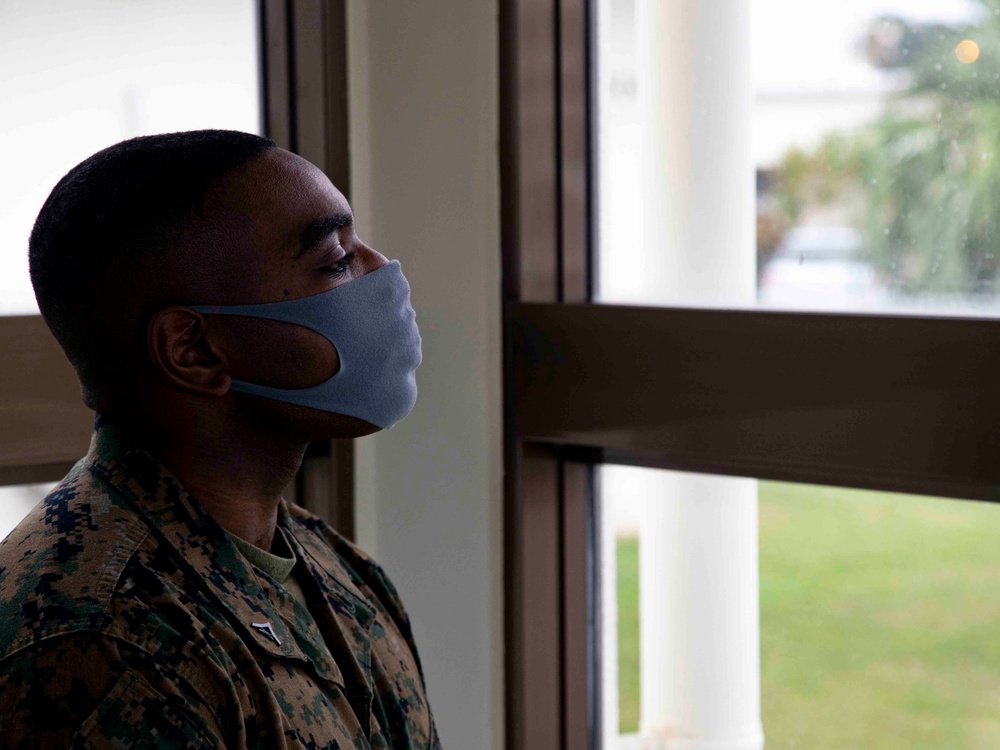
<point x="319" y="230"/>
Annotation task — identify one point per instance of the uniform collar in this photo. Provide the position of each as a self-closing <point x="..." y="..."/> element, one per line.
<point x="180" y="521"/>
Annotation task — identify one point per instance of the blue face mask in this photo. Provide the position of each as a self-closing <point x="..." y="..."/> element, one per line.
<point x="374" y="329"/>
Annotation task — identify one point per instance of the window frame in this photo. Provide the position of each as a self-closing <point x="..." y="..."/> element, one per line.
<point x="771" y="395"/>
<point x="546" y="173"/>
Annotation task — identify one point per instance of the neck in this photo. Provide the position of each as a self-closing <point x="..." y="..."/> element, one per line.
<point x="236" y="469"/>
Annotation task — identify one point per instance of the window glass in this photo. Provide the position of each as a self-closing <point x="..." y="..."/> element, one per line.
<point x="800" y="156"/>
<point x="876" y="614"/>
<point x="837" y="157"/>
<point x="16" y="501"/>
<point x="79" y="75"/>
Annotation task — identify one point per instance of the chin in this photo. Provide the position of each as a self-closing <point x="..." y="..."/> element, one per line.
<point x="349" y="427"/>
<point x="305" y="425"/>
<point x="324" y="425"/>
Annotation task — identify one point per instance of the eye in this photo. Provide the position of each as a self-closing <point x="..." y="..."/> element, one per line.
<point x="339" y="268"/>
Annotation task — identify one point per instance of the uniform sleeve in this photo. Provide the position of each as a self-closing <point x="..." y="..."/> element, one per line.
<point x="435" y="742"/>
<point x="91" y="691"/>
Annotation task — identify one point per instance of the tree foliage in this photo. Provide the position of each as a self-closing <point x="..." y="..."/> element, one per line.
<point x="924" y="178"/>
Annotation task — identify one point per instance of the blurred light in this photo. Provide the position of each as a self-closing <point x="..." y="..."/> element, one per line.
<point x="967" y="51"/>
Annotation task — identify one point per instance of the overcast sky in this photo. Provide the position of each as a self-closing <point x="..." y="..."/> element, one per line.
<point x="813" y="45"/>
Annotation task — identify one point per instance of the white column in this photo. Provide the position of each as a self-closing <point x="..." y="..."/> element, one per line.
<point x="700" y="671"/>
<point x="695" y="104"/>
<point x="700" y="675"/>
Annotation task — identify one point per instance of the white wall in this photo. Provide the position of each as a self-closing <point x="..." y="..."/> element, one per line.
<point x="426" y="191"/>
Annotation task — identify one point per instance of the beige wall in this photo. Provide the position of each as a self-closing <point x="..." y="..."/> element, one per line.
<point x="425" y="189"/>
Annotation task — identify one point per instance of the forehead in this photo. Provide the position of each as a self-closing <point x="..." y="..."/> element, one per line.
<point x="279" y="195"/>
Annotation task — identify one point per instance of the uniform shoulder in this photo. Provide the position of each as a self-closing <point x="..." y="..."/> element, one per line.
<point x="367" y="574"/>
<point x="347" y="551"/>
<point x="59" y="566"/>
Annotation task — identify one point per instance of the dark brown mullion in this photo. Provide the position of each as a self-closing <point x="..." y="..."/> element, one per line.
<point x="879" y="402"/>
<point x="337" y="112"/>
<point x="574" y="151"/>
<point x="275" y="71"/>
<point x="533" y="644"/>
<point x="319" y="106"/>
<point x="578" y="560"/>
<point x="327" y="476"/>
<point x="305" y="71"/>
<point x="308" y="92"/>
<point x="545" y="236"/>
<point x="530" y="200"/>
<point x="529" y="150"/>
<point x="579" y="700"/>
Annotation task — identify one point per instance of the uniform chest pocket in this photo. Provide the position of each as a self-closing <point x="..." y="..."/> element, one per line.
<point x="135" y="715"/>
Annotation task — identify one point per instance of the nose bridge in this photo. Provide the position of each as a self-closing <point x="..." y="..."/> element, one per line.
<point x="372" y="259"/>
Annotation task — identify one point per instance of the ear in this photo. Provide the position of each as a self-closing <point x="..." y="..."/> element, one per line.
<point x="184" y="354"/>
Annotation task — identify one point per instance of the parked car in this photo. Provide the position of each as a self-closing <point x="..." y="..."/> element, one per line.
<point x="818" y="268"/>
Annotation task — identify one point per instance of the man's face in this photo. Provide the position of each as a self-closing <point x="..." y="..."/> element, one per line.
<point x="296" y="239"/>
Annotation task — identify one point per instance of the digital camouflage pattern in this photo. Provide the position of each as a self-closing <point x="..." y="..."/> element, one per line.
<point x="128" y="619"/>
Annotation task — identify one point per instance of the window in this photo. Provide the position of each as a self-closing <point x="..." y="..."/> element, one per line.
<point x="872" y="614"/>
<point x="647" y="338"/>
<point x="140" y="68"/>
<point x="17" y="501"/>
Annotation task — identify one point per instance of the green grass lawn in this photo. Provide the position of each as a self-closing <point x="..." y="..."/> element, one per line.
<point x="880" y="621"/>
<point x="628" y="634"/>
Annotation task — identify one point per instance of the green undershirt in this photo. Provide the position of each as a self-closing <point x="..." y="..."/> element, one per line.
<point x="278" y="566"/>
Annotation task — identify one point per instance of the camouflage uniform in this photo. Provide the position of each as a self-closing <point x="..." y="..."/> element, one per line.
<point x="129" y="619"/>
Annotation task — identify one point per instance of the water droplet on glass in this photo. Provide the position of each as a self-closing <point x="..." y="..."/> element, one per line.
<point x="937" y="66"/>
<point x="886" y="231"/>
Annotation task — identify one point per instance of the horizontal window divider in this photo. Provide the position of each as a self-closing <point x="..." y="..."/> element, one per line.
<point x="44" y="423"/>
<point x="950" y="487"/>
<point x="875" y="401"/>
<point x="34" y="473"/>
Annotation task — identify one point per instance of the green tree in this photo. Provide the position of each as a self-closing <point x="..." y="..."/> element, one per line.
<point x="928" y="170"/>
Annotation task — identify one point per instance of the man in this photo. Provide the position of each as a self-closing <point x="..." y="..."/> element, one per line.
<point x="221" y="313"/>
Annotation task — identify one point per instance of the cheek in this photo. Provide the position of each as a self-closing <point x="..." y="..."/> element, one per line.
<point x="275" y="354"/>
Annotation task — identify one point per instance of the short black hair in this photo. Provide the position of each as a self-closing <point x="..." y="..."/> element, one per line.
<point x="113" y="213"/>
